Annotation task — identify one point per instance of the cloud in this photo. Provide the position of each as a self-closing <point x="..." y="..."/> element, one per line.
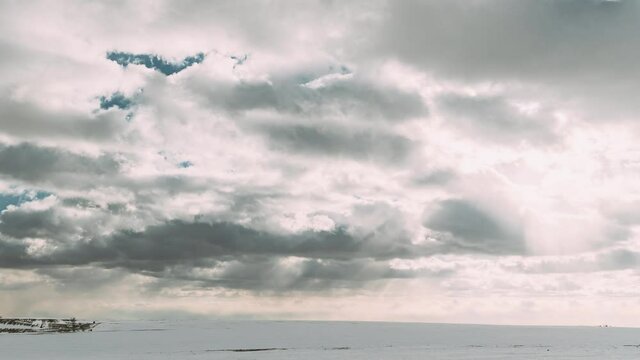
<point x="544" y="40"/>
<point x="434" y="178"/>
<point x="82" y="279"/>
<point x="32" y="163"/>
<point x="362" y="145"/>
<point x="623" y="212"/>
<point x="575" y="50"/>
<point x="288" y="274"/>
<point x="316" y="94"/>
<point x="75" y="232"/>
<point x="472" y="229"/>
<point x="209" y="254"/>
<point x="176" y="241"/>
<point x="608" y="260"/>
<point x="28" y="120"/>
<point x="496" y="120"/>
<point x="45" y="224"/>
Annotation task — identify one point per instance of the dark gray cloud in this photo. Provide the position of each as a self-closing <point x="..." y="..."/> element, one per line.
<point x="177" y="250"/>
<point x="178" y="241"/>
<point x="33" y="163"/>
<point x="271" y="274"/>
<point x="45" y="224"/>
<point x="13" y="254"/>
<point x="540" y="40"/>
<point x="208" y="254"/>
<point x="468" y="228"/>
<point x="79" y="202"/>
<point x="26" y="120"/>
<point x="350" y="97"/>
<point x="577" y="50"/>
<point x="324" y="102"/>
<point x="434" y="178"/>
<point x="334" y="141"/>
<point x="494" y="119"/>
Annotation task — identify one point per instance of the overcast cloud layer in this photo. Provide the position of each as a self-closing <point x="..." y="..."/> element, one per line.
<point x="450" y="161"/>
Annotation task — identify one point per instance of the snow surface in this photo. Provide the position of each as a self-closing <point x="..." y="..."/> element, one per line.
<point x="204" y="339"/>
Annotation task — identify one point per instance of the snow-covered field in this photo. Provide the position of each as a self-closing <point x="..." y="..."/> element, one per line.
<point x="322" y="340"/>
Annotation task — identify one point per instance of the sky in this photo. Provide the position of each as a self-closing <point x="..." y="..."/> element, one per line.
<point x="442" y="161"/>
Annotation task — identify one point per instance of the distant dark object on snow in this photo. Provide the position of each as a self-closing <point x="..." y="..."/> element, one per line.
<point x="33" y="325"/>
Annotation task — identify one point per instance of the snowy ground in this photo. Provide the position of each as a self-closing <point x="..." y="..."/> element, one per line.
<point x="322" y="340"/>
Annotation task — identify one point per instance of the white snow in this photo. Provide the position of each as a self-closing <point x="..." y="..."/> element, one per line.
<point x="204" y="339"/>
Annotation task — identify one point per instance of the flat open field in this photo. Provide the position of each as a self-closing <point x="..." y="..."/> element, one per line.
<point x="204" y="339"/>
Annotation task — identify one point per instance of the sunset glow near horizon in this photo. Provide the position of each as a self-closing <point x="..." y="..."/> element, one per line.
<point x="440" y="161"/>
